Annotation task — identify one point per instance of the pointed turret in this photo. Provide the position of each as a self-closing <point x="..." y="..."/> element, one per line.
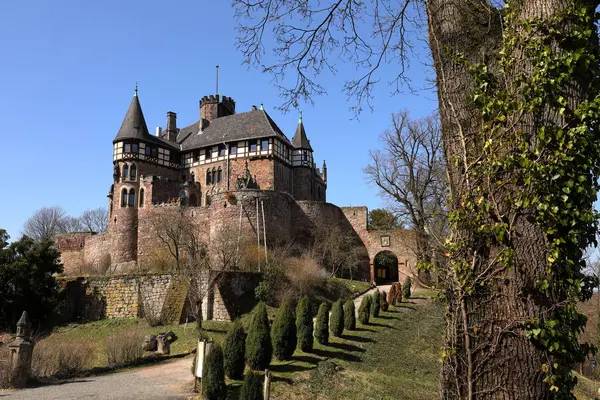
<point x="300" y="141"/>
<point x="134" y="125"/>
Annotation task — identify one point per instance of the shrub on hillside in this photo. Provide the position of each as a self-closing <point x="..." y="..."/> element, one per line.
<point x="304" y="325"/>
<point x="392" y="295"/>
<point x="259" y="349"/>
<point x="349" y="315"/>
<point x="4" y="367"/>
<point x="322" y="324"/>
<point x="337" y="319"/>
<point x="253" y="387"/>
<point x="303" y="273"/>
<point x="234" y="351"/>
<point x="284" y="332"/>
<point x="406" y="288"/>
<point x="124" y="348"/>
<point x="55" y="358"/>
<point x="213" y="380"/>
<point x="364" y="310"/>
<point x="383" y="304"/>
<point x="375" y="304"/>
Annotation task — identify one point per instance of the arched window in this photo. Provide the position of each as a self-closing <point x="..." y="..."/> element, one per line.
<point x="214" y="175"/>
<point x="125" y="172"/>
<point x="132" y="172"/>
<point x="193" y="200"/>
<point x="124" y="197"/>
<point x="141" y="198"/>
<point x="208" y="177"/>
<point x="219" y="174"/>
<point x="131" y="198"/>
<point x="207" y="202"/>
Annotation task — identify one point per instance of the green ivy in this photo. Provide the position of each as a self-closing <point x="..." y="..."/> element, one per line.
<point x="555" y="172"/>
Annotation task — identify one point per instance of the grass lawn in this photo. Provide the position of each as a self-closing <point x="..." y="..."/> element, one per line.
<point x="394" y="357"/>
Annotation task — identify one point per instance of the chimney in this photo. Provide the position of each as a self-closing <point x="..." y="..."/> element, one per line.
<point x="254" y="108"/>
<point x="171" y="131"/>
<point x="158" y="131"/>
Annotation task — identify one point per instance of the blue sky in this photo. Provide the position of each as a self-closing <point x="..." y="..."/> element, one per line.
<point x="67" y="73"/>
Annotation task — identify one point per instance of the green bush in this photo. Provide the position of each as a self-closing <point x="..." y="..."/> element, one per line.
<point x="213" y="379"/>
<point x="235" y="351"/>
<point x="383" y="304"/>
<point x="364" y="310"/>
<point x="375" y="304"/>
<point x="304" y="325"/>
<point x="259" y="349"/>
<point x="393" y="294"/>
<point x="406" y="288"/>
<point x="322" y="324"/>
<point x="337" y="319"/>
<point x="349" y="315"/>
<point x="253" y="387"/>
<point x="284" y="332"/>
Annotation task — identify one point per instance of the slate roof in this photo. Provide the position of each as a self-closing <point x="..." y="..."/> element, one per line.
<point x="248" y="125"/>
<point x="134" y="126"/>
<point x="300" y="141"/>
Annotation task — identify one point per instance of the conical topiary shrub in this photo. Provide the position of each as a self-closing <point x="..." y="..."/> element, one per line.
<point x="375" y="306"/>
<point x="235" y="351"/>
<point x="253" y="387"/>
<point x="406" y="288"/>
<point x="283" y="332"/>
<point x="364" y="310"/>
<point x="391" y="297"/>
<point x="304" y="325"/>
<point x="213" y="380"/>
<point x="322" y="324"/>
<point x="349" y="315"/>
<point x="259" y="349"/>
<point x="383" y="304"/>
<point x="336" y="324"/>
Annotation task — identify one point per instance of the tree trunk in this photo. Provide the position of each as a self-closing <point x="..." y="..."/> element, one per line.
<point x="487" y="355"/>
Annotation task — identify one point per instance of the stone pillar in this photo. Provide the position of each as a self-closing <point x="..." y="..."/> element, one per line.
<point x="21" y="351"/>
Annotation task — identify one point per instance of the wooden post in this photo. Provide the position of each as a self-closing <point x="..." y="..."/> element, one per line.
<point x="257" y="230"/>
<point x="262" y="206"/>
<point x="267" y="387"/>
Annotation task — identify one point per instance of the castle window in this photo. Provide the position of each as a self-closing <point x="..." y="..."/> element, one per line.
<point x="132" y="172"/>
<point x="253" y="145"/>
<point x="208" y="153"/>
<point x="222" y="149"/>
<point x="219" y="173"/>
<point x="196" y="155"/>
<point x="124" y="197"/>
<point x="207" y="202"/>
<point x="131" y="198"/>
<point x="125" y="171"/>
<point x="214" y="176"/>
<point x="208" y="177"/>
<point x="126" y="148"/>
<point x="264" y="144"/>
<point x="148" y="150"/>
<point x="233" y="149"/>
<point x="141" y="198"/>
<point x="193" y="200"/>
<point x="134" y="147"/>
<point x="154" y="152"/>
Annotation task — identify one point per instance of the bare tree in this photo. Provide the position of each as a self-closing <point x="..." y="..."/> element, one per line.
<point x="500" y="100"/>
<point x="408" y="170"/>
<point x="46" y="222"/>
<point x="333" y="248"/>
<point x="95" y="220"/>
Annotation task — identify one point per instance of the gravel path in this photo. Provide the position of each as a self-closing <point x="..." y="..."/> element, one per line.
<point x="167" y="381"/>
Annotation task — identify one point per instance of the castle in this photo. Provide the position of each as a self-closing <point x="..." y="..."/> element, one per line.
<point x="226" y="169"/>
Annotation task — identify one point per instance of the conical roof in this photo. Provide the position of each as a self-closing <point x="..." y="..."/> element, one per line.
<point x="134" y="125"/>
<point x="300" y="140"/>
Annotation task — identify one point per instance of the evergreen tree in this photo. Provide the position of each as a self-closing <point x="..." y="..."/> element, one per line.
<point x="364" y="310"/>
<point x="375" y="304"/>
<point x="349" y="315"/>
<point x="337" y="319"/>
<point x="406" y="288"/>
<point x="393" y="294"/>
<point x="253" y="387"/>
<point x="213" y="380"/>
<point x="284" y="332"/>
<point x="259" y="349"/>
<point x="322" y="324"/>
<point x="383" y="301"/>
<point x="235" y="351"/>
<point x="304" y="325"/>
